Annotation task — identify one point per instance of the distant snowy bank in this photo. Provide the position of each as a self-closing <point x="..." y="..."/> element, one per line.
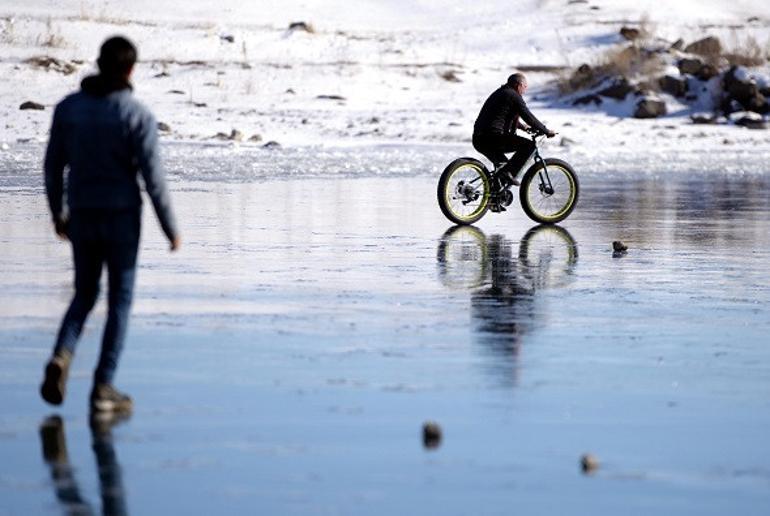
<point x="320" y="74"/>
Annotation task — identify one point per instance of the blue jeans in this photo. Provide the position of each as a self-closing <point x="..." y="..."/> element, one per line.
<point x="101" y="237"/>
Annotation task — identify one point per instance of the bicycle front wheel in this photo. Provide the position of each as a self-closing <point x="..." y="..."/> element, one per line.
<point x="463" y="191"/>
<point x="549" y="193"/>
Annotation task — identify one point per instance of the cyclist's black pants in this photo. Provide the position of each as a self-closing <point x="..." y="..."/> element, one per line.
<point x="494" y="147"/>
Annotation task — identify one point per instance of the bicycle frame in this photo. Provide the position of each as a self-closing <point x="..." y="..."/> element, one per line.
<point x="545" y="180"/>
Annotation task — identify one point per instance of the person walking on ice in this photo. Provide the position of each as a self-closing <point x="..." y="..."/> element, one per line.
<point x="105" y="138"/>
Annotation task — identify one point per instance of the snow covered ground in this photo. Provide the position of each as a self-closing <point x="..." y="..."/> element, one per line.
<point x="374" y="72"/>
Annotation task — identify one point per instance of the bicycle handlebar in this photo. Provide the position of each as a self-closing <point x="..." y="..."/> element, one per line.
<point x="536" y="133"/>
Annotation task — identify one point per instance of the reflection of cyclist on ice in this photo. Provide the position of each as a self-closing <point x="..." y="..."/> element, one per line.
<point x="494" y="132"/>
<point x="504" y="284"/>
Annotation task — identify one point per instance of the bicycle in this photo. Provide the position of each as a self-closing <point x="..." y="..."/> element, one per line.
<point x="549" y="189"/>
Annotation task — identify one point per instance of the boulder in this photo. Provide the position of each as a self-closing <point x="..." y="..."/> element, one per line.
<point x="618" y="89"/>
<point x="431" y="434"/>
<point x="630" y="33"/>
<point x="32" y="105"/>
<point x="582" y="77"/>
<point x="708" y="46"/>
<point x="737" y="83"/>
<point x="706" y="72"/>
<point x="591" y="98"/>
<point x="164" y="127"/>
<point x="758" y="104"/>
<point x="690" y="65"/>
<point x="729" y="105"/>
<point x="740" y="88"/>
<point x="302" y="26"/>
<point x="676" y="86"/>
<point x="619" y="246"/>
<point x="649" y="107"/>
<point x="589" y="464"/>
<point x="750" y="122"/>
<point x="703" y="118"/>
<point x="678" y="44"/>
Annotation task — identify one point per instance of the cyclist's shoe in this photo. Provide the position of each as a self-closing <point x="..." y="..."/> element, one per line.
<point x="106" y="398"/>
<point x="54" y="385"/>
<point x="510" y="180"/>
<point x="496" y="207"/>
<point x="507" y="178"/>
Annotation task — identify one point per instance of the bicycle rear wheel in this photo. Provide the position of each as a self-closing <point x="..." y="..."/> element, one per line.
<point x="463" y="191"/>
<point x="548" y="195"/>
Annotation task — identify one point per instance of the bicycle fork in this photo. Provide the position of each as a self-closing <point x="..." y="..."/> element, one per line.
<point x="545" y="181"/>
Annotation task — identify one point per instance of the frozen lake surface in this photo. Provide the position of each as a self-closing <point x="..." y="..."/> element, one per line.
<point x="285" y="360"/>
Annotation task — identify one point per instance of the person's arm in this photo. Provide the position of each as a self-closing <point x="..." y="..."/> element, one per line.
<point x="529" y="118"/>
<point x="55" y="161"/>
<point x="146" y="146"/>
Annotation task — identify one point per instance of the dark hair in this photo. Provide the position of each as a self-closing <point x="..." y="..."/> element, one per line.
<point x="116" y="57"/>
<point x="516" y="79"/>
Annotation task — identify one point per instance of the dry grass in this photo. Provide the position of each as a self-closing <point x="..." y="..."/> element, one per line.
<point x="631" y="61"/>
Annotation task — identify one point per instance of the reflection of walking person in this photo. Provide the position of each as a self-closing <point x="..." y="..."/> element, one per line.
<point x="104" y="136"/>
<point x="54" y="444"/>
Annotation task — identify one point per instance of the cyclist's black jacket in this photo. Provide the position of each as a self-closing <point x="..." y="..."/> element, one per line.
<point x="501" y="111"/>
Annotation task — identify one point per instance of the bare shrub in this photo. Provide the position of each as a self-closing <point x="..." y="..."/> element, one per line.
<point x="450" y="76"/>
<point x="51" y="38"/>
<point x="8" y="35"/>
<point x="747" y="53"/>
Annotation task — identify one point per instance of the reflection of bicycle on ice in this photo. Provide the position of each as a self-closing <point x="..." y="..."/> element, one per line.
<point x="503" y="281"/>
<point x="468" y="259"/>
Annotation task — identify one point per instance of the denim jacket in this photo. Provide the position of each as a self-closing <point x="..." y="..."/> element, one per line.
<point x="105" y="137"/>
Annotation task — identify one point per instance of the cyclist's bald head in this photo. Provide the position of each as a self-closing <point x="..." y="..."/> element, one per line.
<point x="517" y="80"/>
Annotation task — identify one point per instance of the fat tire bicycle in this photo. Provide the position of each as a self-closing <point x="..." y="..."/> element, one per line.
<point x="548" y="193"/>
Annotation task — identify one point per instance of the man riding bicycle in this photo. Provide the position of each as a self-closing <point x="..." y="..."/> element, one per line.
<point x="494" y="132"/>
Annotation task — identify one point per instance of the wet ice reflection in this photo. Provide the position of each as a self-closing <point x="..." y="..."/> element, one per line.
<point x="504" y="278"/>
<point x="64" y="478"/>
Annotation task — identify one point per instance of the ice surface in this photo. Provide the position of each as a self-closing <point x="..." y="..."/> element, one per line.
<point x="285" y="359"/>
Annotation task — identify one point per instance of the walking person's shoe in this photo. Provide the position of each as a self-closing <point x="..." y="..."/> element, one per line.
<point x="52" y="440"/>
<point x="54" y="385"/>
<point x="106" y="398"/>
<point x="102" y="423"/>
